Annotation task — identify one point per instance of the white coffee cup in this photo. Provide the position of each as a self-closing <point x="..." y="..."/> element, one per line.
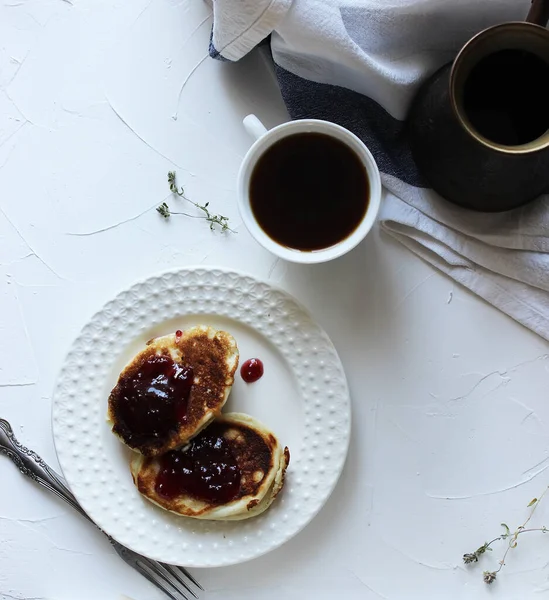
<point x="265" y="139"/>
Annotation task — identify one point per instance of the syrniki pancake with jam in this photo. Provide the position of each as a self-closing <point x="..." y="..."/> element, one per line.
<point x="171" y="390"/>
<point x="232" y="470"/>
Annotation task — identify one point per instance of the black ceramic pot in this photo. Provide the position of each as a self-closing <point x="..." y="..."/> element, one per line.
<point x="460" y="163"/>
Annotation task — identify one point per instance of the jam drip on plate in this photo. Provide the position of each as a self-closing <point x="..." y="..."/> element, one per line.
<point x="252" y="370"/>
<point x="152" y="401"/>
<point x="206" y="469"/>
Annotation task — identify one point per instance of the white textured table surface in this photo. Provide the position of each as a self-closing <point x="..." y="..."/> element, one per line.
<point x="450" y="398"/>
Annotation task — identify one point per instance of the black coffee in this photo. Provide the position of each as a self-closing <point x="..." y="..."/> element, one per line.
<point x="506" y="97"/>
<point x="309" y="191"/>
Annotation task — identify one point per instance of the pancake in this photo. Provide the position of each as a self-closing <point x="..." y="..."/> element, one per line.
<point x="232" y="470"/>
<point x="171" y="390"/>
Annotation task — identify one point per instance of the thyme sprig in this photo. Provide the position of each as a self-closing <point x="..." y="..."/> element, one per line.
<point x="214" y="220"/>
<point x="473" y="557"/>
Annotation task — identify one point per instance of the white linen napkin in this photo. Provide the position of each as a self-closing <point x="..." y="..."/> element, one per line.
<point x="359" y="63"/>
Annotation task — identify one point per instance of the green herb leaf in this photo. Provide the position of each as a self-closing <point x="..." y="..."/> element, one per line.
<point x="489" y="577"/>
<point x="164" y="210"/>
<point x="532" y="502"/>
<point x="470" y="557"/>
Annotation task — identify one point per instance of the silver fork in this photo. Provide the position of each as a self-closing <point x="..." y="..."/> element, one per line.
<point x="174" y="581"/>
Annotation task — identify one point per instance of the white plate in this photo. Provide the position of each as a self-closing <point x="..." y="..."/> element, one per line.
<point x="302" y="397"/>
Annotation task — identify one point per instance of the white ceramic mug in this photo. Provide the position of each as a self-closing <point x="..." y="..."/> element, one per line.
<point x="265" y="139"/>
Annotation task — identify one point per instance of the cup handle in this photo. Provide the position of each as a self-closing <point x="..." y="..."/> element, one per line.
<point x="254" y="126"/>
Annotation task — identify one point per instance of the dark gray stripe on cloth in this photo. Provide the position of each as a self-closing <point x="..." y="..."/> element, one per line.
<point x="214" y="53"/>
<point x="384" y="135"/>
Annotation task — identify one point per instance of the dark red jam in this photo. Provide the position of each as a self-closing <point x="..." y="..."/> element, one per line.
<point x="178" y="334"/>
<point x="152" y="401"/>
<point x="206" y="469"/>
<point x="252" y="370"/>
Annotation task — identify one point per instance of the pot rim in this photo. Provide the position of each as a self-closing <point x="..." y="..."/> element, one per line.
<point x="461" y="61"/>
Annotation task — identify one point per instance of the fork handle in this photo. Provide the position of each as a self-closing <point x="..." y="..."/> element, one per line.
<point x="31" y="465"/>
